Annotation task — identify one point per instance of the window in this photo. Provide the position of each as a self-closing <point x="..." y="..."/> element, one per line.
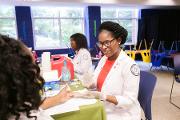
<point x="7" y="21"/>
<point x="53" y="26"/>
<point x="128" y="18"/>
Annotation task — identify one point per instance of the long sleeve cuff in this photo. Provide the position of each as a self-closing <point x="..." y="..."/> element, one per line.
<point x="123" y="102"/>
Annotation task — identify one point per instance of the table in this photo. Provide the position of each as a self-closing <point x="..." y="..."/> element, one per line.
<point x="87" y="112"/>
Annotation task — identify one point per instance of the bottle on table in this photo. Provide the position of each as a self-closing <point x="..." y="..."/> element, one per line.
<point x="65" y="73"/>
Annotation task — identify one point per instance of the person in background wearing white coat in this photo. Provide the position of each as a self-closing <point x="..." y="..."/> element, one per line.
<point x="82" y="60"/>
<point x="117" y="75"/>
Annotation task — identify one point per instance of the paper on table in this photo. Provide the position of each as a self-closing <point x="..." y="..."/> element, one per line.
<point x="82" y="101"/>
<point x="69" y="106"/>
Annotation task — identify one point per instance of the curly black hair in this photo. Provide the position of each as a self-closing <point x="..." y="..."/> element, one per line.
<point x="117" y="30"/>
<point x="20" y="80"/>
<point x="80" y="40"/>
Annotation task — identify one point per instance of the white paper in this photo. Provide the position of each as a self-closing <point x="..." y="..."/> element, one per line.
<point x="82" y="101"/>
<point x="69" y="106"/>
<point x="50" y="76"/>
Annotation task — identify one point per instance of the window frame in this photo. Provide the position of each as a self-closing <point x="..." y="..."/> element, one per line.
<point x="134" y="18"/>
<point x="59" y="18"/>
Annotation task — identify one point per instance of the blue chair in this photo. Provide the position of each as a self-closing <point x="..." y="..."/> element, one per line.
<point x="156" y="59"/>
<point x="146" y="88"/>
<point x="176" y="78"/>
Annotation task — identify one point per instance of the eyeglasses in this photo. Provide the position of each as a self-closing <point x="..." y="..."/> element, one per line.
<point x="106" y="43"/>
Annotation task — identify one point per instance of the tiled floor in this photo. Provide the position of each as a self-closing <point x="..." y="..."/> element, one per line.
<point x="161" y="108"/>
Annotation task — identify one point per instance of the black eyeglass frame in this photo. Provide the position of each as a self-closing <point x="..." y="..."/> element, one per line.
<point x="106" y="43"/>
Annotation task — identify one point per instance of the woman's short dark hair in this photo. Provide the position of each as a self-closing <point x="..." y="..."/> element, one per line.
<point x="117" y="30"/>
<point x="20" y="80"/>
<point x="80" y="40"/>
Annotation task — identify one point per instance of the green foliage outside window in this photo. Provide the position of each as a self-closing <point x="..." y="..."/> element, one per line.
<point x="56" y="25"/>
<point x="125" y="17"/>
<point x="7" y="21"/>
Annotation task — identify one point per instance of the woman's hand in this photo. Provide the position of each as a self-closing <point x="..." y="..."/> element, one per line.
<point x="104" y="97"/>
<point x="89" y="95"/>
<point x="64" y="95"/>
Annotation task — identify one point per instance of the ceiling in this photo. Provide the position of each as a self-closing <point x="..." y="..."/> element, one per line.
<point x="135" y="3"/>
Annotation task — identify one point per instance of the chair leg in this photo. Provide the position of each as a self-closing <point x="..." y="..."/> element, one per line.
<point x="151" y="68"/>
<point x="170" y="99"/>
<point x="168" y="68"/>
<point x="161" y="67"/>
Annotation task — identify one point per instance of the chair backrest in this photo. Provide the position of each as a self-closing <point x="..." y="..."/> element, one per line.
<point x="176" y="59"/>
<point x="131" y="54"/>
<point x="156" y="59"/>
<point x="146" y="57"/>
<point x="146" y="88"/>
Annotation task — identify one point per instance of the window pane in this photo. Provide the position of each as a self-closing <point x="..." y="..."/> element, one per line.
<point x="127" y="17"/>
<point x="7" y="21"/>
<point x="127" y="24"/>
<point x="7" y="11"/>
<point x="108" y="13"/>
<point x="69" y="27"/>
<point x="45" y="12"/>
<point x="122" y="13"/>
<point x="7" y="27"/>
<point x="54" y="25"/>
<point x="71" y="12"/>
<point x="46" y="33"/>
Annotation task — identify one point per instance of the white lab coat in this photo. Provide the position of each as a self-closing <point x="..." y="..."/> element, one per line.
<point x="123" y="83"/>
<point x="82" y="63"/>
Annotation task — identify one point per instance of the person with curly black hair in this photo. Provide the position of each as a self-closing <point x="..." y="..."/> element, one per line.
<point x="117" y="75"/>
<point x="82" y="60"/>
<point x="21" y="84"/>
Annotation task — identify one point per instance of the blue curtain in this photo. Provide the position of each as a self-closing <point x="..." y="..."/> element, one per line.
<point x="24" y="25"/>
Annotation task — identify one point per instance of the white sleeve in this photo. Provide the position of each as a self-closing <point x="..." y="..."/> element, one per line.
<point x="84" y="65"/>
<point x="131" y="76"/>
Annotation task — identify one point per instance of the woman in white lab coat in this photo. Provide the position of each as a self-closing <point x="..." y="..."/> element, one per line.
<point x="117" y="75"/>
<point x="82" y="60"/>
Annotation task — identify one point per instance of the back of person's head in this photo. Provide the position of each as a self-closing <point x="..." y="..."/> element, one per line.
<point x="117" y="30"/>
<point x="80" y="40"/>
<point x="20" y="80"/>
